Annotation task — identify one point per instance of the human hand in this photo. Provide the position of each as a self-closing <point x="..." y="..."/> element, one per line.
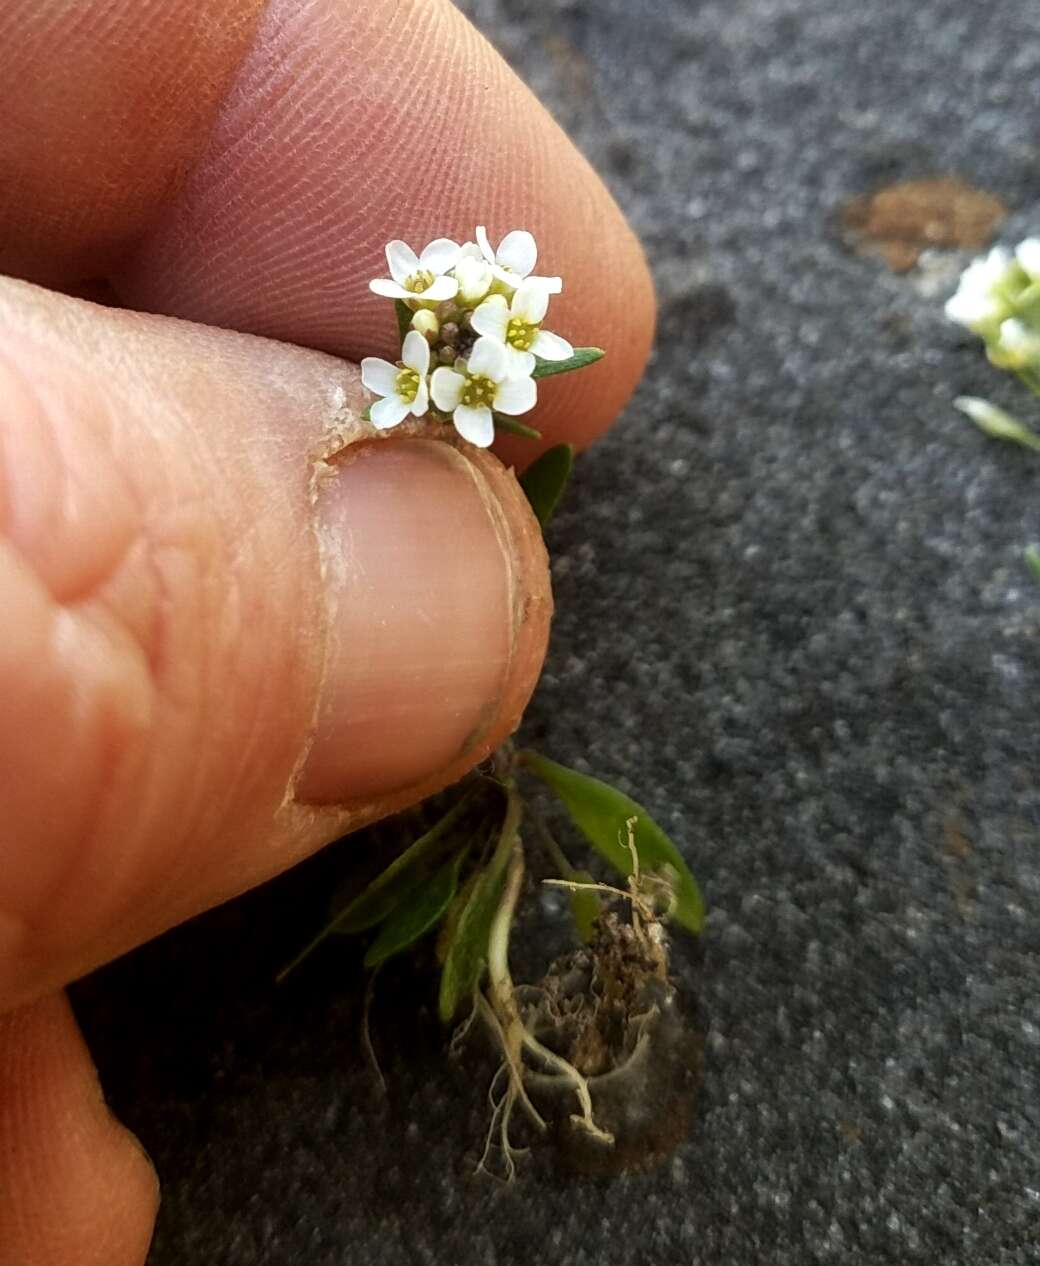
<point x="218" y="649"/>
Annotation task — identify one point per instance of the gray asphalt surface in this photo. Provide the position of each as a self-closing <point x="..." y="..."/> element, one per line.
<point x="794" y="620"/>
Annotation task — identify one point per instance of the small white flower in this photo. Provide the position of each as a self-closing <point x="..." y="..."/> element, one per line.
<point x="517" y="325"/>
<point x="1028" y="255"/>
<point x="403" y="387"/>
<point x="474" y="275"/>
<point x="419" y="278"/>
<point x="980" y="302"/>
<point x="1017" y="346"/>
<point x="471" y="390"/>
<point x="516" y="256"/>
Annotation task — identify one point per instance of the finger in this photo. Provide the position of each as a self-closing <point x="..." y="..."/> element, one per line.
<point x="220" y="649"/>
<point x="106" y="106"/>
<point x="349" y="124"/>
<point x="75" y="1186"/>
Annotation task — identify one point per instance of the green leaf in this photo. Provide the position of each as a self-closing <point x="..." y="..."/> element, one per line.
<point x="582" y="356"/>
<point x="600" y="812"/>
<point x="417" y="914"/>
<point x="366" y="413"/>
<point x="586" y="906"/>
<point x="545" y="481"/>
<point x="502" y="423"/>
<point x="391" y="886"/>
<point x="466" y="952"/>
<point x="404" y="317"/>
<point x="1032" y="557"/>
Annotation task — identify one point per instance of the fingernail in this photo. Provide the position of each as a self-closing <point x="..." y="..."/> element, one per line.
<point x="437" y="600"/>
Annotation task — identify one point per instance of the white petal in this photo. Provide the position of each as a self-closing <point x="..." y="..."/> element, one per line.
<point x="470" y="250"/>
<point x="506" y="277"/>
<point x="422" y="399"/>
<point x="516" y="396"/>
<point x="551" y="346"/>
<point x="492" y="318"/>
<point x="517" y="252"/>
<point x="530" y="302"/>
<point x="518" y="364"/>
<point x="440" y="255"/>
<point x="442" y="288"/>
<point x="402" y="260"/>
<point x="415" y="352"/>
<point x="379" y="375"/>
<point x="387" y="413"/>
<point x="975" y="309"/>
<point x="484" y="244"/>
<point x="446" y="388"/>
<point x="551" y="285"/>
<point x="476" y="425"/>
<point x="1028" y="255"/>
<point x="488" y="357"/>
<point x="389" y="289"/>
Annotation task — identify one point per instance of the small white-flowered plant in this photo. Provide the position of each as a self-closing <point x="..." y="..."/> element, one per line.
<point x="473" y="342"/>
<point x="998" y="298"/>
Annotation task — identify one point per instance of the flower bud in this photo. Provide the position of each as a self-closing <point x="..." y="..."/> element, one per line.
<point x="474" y="277"/>
<point x="427" y="324"/>
<point x="446" y="356"/>
<point x="449" y="332"/>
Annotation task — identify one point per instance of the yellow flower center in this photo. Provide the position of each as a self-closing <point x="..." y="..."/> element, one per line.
<point x="479" y="390"/>
<point x="406" y="384"/>
<point x="420" y="281"/>
<point x="521" y="334"/>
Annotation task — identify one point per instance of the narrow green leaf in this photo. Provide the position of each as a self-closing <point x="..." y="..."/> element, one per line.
<point x="586" y="906"/>
<point x="466" y="952"/>
<point x="417" y="914"/>
<point x="391" y="886"/>
<point x="404" y="317"/>
<point x="545" y="481"/>
<point x="366" y="413"/>
<point x="600" y="812"/>
<point x="1032" y="557"/>
<point x="502" y="423"/>
<point x="582" y="356"/>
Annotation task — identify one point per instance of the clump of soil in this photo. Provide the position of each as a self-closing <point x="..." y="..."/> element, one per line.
<point x="611" y="1010"/>
<point x="901" y="221"/>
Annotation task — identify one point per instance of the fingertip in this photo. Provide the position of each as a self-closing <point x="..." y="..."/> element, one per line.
<point x="75" y="1186"/>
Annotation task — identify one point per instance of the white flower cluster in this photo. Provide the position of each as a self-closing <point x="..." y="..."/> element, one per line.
<point x="476" y="333"/>
<point x="998" y="299"/>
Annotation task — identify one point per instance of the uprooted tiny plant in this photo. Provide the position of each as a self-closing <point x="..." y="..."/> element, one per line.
<point x="593" y="1016"/>
<point x="474" y="343"/>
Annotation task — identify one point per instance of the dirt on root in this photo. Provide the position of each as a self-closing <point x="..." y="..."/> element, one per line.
<point x="612" y="1010"/>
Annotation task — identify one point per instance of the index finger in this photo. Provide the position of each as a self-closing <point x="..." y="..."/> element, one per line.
<point x="345" y="125"/>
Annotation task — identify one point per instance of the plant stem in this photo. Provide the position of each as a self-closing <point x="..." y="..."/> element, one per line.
<point x="548" y="842"/>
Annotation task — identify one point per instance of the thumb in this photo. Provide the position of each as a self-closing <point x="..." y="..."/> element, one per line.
<point x="236" y="623"/>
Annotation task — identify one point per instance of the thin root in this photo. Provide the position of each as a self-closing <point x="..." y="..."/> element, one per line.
<point x="366" y="1032"/>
